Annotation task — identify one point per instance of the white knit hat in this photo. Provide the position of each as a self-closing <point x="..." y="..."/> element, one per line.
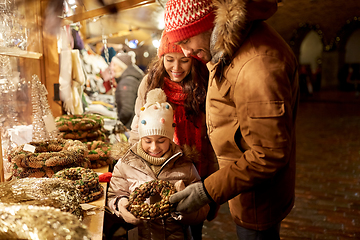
<point x="128" y="58"/>
<point x="156" y="116"/>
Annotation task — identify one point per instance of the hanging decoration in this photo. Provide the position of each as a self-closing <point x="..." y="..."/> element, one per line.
<point x="345" y="32"/>
<point x="300" y="33"/>
<point x="338" y="42"/>
<point x="107" y="60"/>
<point x="8" y="88"/>
<point x="13" y="31"/>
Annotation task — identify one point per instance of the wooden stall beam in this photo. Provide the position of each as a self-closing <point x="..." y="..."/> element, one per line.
<point x="113" y="35"/>
<point x="123" y="5"/>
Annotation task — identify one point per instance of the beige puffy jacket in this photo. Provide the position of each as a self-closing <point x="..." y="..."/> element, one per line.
<point x="131" y="171"/>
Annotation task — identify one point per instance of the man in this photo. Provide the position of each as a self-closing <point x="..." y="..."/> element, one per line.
<point x="250" y="110"/>
<point x="127" y="85"/>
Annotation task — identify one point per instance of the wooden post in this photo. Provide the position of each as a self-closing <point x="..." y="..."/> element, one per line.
<point x="50" y="64"/>
<point x="2" y="178"/>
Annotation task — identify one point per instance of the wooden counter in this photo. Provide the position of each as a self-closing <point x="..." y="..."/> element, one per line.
<point x="94" y="218"/>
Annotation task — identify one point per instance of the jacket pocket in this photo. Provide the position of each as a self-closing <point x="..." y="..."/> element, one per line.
<point x="265" y="109"/>
<point x="267" y="124"/>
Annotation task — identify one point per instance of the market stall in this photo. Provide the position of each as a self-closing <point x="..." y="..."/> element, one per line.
<point x="53" y="135"/>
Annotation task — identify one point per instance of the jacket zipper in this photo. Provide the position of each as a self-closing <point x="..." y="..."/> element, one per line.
<point x="172" y="157"/>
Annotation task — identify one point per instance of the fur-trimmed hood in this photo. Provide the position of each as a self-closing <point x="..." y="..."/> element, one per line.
<point x="190" y="154"/>
<point x="232" y="20"/>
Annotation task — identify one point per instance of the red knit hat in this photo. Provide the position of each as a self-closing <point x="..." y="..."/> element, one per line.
<point x="187" y="18"/>
<point x="166" y="46"/>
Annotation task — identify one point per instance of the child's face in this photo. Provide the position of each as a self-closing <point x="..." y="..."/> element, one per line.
<point x="155" y="146"/>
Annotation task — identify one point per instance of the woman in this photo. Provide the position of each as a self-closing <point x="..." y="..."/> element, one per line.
<point x="184" y="80"/>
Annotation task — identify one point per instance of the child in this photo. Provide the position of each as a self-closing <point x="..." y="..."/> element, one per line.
<point x="155" y="156"/>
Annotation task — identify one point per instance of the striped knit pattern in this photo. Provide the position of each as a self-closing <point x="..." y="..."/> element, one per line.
<point x="187" y="18"/>
<point x="167" y="47"/>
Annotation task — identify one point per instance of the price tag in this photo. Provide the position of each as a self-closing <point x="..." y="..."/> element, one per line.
<point x="89" y="213"/>
<point x="44" y="89"/>
<point x="49" y="123"/>
<point x="29" y="148"/>
<point x="86" y="206"/>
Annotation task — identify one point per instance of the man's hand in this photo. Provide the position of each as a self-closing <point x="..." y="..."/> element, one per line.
<point x="124" y="213"/>
<point x="191" y="199"/>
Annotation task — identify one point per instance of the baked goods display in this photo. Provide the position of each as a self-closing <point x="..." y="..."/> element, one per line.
<point x="141" y="209"/>
<point x="85" y="127"/>
<point x="47" y="158"/>
<point x="86" y="180"/>
<point x="98" y="153"/>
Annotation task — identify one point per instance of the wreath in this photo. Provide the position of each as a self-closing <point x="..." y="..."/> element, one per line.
<point x="47" y="157"/>
<point x="86" y="180"/>
<point x="79" y="122"/>
<point x="141" y="209"/>
<point x="99" y="154"/>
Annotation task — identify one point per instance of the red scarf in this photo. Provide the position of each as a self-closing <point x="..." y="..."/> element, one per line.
<point x="186" y="132"/>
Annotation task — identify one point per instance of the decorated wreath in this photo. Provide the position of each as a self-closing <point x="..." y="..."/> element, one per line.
<point x="99" y="154"/>
<point x="83" y="135"/>
<point x="48" y="157"/>
<point x="86" y="180"/>
<point x="83" y="127"/>
<point x="141" y="209"/>
<point x="79" y="122"/>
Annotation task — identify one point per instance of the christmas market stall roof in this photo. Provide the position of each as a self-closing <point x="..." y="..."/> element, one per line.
<point x="119" y="21"/>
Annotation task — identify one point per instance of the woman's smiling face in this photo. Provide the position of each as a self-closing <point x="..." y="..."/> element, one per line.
<point x="177" y="66"/>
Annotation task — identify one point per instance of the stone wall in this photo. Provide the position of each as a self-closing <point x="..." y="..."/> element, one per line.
<point x="333" y="20"/>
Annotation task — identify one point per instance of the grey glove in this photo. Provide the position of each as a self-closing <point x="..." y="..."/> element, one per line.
<point x="191" y="199"/>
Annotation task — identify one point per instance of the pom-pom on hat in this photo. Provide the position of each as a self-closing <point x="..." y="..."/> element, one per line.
<point x="166" y="46"/>
<point x="187" y="18"/>
<point x="156" y="116"/>
<point x="127" y="58"/>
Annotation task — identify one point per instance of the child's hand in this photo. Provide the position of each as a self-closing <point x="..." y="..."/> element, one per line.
<point x="179" y="185"/>
<point x="124" y="213"/>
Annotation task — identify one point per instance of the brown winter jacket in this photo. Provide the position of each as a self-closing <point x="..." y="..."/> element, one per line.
<point x="250" y="112"/>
